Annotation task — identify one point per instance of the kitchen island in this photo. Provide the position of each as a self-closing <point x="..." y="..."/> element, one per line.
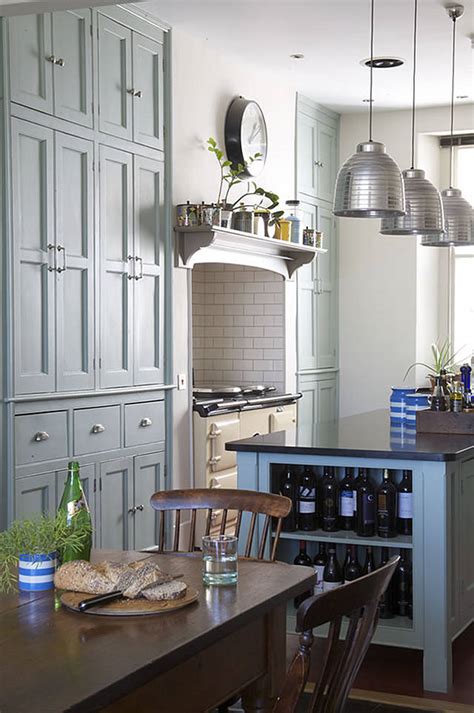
<point x="442" y="543"/>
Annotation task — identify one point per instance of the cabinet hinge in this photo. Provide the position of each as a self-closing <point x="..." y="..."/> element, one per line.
<point x="90" y="28"/>
<point x="93" y="168"/>
<point x="95" y="485"/>
<point x="462" y="487"/>
<point x="165" y="471"/>
<point x="100" y="484"/>
<point x="93" y="363"/>
<point x="100" y="362"/>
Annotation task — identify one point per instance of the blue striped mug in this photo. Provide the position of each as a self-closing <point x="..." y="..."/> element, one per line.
<point x="414" y="403"/>
<point x="397" y="403"/>
<point x="36" y="572"/>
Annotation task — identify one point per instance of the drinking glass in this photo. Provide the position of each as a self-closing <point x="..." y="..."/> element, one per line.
<point x="219" y="556"/>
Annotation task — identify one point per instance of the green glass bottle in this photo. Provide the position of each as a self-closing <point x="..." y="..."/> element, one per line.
<point x="74" y="505"/>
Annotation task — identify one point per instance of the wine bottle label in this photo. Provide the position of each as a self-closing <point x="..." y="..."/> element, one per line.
<point x="368" y="508"/>
<point x="319" y="572"/>
<point x="354" y="500"/>
<point x="306" y="506"/>
<point x="405" y="506"/>
<point x="327" y="586"/>
<point x="346" y="505"/>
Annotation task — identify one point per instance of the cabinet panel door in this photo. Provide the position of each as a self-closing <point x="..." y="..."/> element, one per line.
<point x="75" y="285"/>
<point x="326" y="162"/>
<point x="148" y="85"/>
<point x="31" y="63"/>
<point x="306" y="154"/>
<point x="88" y="485"/>
<point x="307" y="405"/>
<point x="116" y="245"/>
<point x="148" y="478"/>
<point x="116" y="498"/>
<point x="148" y="254"/>
<point x="307" y="300"/>
<point x="319" y="402"/>
<point x="467" y="536"/>
<point x="33" y="238"/>
<point x="115" y="78"/>
<point x="326" y="400"/>
<point x="73" y="78"/>
<point x="326" y="314"/>
<point x="35" y="495"/>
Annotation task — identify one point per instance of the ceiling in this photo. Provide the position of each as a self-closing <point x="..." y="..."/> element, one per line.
<point x="333" y="35"/>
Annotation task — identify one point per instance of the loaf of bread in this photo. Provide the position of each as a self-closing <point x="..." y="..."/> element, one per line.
<point x="82" y="576"/>
<point x="169" y="590"/>
<point x="146" y="574"/>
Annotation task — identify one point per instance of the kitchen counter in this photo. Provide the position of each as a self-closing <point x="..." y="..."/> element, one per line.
<point x="364" y="435"/>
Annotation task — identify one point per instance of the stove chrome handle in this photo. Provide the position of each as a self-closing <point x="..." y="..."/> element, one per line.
<point x="214" y="434"/>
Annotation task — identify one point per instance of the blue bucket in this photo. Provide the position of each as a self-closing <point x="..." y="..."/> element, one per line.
<point x="36" y="572"/>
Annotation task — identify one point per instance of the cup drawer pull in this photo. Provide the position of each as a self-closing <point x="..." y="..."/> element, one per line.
<point x="41" y="436"/>
<point x="98" y="428"/>
<point x="146" y="422"/>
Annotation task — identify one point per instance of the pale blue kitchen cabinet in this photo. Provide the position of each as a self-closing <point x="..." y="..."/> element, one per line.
<point x="148" y="478"/>
<point x="320" y="397"/>
<point x="316" y="154"/>
<point x="148" y="98"/>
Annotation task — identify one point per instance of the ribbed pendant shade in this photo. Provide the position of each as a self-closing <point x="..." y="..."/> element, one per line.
<point x="424" y="208"/>
<point x="458" y="222"/>
<point x="369" y="184"/>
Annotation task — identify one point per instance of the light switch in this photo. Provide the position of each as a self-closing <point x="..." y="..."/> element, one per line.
<point x="181" y="382"/>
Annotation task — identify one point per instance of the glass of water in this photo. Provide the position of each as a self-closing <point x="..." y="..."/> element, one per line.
<point x="219" y="556"/>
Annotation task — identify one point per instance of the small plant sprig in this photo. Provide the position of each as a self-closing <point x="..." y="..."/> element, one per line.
<point x="39" y="535"/>
<point x="443" y="358"/>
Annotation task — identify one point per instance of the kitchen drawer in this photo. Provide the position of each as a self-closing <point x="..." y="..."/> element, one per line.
<point x="96" y="429"/>
<point x="40" y="437"/>
<point x="283" y="417"/>
<point x="144" y="423"/>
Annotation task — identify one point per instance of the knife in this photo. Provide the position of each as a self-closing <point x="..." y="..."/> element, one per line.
<point x="86" y="604"/>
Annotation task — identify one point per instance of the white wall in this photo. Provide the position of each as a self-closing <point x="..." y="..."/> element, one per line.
<point x="204" y="83"/>
<point x="389" y="286"/>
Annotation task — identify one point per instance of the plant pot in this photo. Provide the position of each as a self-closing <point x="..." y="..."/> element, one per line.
<point x="36" y="572"/>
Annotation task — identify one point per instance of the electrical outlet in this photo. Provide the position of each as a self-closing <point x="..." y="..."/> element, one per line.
<point x="181" y="381"/>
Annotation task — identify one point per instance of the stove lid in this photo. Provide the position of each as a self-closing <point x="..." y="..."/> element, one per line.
<point x="208" y="391"/>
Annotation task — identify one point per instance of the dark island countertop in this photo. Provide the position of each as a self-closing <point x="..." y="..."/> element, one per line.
<point x="365" y="435"/>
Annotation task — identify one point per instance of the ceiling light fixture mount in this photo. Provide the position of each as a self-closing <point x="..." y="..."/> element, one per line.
<point x="383" y="62"/>
<point x="297" y="55"/>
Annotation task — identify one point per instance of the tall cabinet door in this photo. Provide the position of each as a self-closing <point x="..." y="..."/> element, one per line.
<point x="75" y="253"/>
<point x="115" y="78"/>
<point x="73" y="66"/>
<point x="148" y="92"/>
<point x="307" y="301"/>
<point x="116" y="499"/>
<point x="117" y="267"/>
<point x="33" y="240"/>
<point x="31" y="61"/>
<point x="148" y="478"/>
<point x="307" y="154"/>
<point x="148" y="258"/>
<point x="325" y="162"/>
<point x="326" y="329"/>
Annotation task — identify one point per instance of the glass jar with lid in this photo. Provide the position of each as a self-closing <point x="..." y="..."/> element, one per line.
<point x="293" y="215"/>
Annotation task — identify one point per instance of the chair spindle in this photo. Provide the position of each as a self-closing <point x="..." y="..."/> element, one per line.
<point x="177" y="524"/>
<point x="192" y="532"/>
<point x="248" y="546"/>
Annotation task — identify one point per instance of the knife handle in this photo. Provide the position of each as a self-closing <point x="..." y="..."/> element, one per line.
<point x="100" y="599"/>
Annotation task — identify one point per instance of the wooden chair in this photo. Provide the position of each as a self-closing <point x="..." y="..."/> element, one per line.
<point x="225" y="500"/>
<point x="357" y="600"/>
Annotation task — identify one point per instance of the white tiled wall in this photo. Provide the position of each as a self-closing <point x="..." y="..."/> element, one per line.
<point x="238" y="326"/>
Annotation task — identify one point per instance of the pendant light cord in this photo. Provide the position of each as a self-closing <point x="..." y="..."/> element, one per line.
<point x="451" y="155"/>
<point x="371" y="66"/>
<point x="415" y="29"/>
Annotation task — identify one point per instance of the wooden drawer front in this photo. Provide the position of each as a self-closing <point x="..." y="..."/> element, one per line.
<point x="41" y="437"/>
<point x="96" y="429"/>
<point x="144" y="423"/>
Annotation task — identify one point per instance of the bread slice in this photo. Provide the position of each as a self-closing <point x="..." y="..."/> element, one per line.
<point x="82" y="576"/>
<point x="145" y="575"/>
<point x="175" y="589"/>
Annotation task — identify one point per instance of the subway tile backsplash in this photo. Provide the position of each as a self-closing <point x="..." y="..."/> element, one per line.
<point x="238" y="325"/>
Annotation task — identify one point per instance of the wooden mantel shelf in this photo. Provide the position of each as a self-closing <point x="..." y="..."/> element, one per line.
<point x="206" y="244"/>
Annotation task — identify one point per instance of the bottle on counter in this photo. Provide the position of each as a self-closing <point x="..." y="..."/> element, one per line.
<point x="307" y="499"/>
<point x="403" y="586"/>
<point x="456" y="398"/>
<point x="369" y="564"/>
<point x="386" y="507"/>
<point x="438" y="397"/>
<point x="295" y="220"/>
<point x="302" y="558"/>
<point x="329" y="499"/>
<point x="346" y="501"/>
<point x="288" y="488"/>
<point x="365" y="506"/>
<point x="74" y="505"/>
<point x="387" y="599"/>
<point x="352" y="569"/>
<point x="319" y="563"/>
<point x="466" y="380"/>
<point x="332" y="576"/>
<point x="405" y="505"/>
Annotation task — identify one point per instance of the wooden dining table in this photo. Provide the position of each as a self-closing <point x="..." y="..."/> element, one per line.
<point x="231" y="640"/>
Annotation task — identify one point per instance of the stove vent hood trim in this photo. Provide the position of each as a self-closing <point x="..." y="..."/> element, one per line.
<point x="205" y="244"/>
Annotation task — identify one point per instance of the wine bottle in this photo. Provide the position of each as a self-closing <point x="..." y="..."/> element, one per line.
<point x="403" y="584"/>
<point x="304" y="559"/>
<point x="365" y="506"/>
<point x="332" y="576"/>
<point x="369" y="564"/>
<point x="352" y="569"/>
<point x="387" y="599"/>
<point x="329" y="496"/>
<point x="386" y="507"/>
<point x="346" y="501"/>
<point x="288" y="489"/>
<point x="307" y="489"/>
<point x="74" y="505"/>
<point x="405" y="505"/>
<point x="319" y="564"/>
<point x="354" y="499"/>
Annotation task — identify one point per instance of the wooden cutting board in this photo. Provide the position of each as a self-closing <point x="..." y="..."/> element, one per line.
<point x="128" y="607"/>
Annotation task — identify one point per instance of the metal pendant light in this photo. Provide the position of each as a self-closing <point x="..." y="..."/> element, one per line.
<point x="457" y="210"/>
<point x="369" y="184"/>
<point x="424" y="208"/>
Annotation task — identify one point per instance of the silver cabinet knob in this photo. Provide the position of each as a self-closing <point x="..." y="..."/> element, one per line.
<point x="97" y="428"/>
<point x="63" y="268"/>
<point x="146" y="422"/>
<point x="138" y="94"/>
<point x="59" y="62"/>
<point x="130" y="273"/>
<point x="279" y="409"/>
<point x="131" y="92"/>
<point x="132" y="511"/>
<point x="51" y="59"/>
<point x="51" y="247"/>
<point x="140" y="508"/>
<point x="41" y="436"/>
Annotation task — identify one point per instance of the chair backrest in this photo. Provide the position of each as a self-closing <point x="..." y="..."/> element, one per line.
<point x="357" y="600"/>
<point x="225" y="500"/>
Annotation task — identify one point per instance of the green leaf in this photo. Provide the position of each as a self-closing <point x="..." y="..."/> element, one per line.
<point x="212" y="141"/>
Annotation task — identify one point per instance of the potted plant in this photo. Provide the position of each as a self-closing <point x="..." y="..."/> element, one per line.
<point x="443" y="358"/>
<point x="30" y="548"/>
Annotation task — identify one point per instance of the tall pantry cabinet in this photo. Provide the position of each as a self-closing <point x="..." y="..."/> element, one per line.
<point x="317" y="132"/>
<point x="85" y="265"/>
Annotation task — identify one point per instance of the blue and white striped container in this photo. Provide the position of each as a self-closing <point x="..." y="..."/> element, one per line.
<point x="397" y="404"/>
<point x="414" y="403"/>
<point x="36" y="572"/>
